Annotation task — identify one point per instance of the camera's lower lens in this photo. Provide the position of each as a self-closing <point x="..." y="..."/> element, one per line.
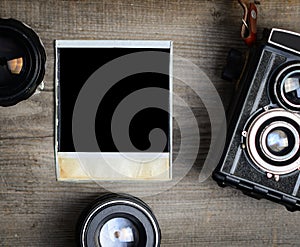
<point x="119" y="232"/>
<point x="272" y="141"/>
<point x="278" y="140"/>
<point x="118" y="221"/>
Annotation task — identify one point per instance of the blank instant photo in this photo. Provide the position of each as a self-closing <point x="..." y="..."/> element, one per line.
<point x="113" y="110"/>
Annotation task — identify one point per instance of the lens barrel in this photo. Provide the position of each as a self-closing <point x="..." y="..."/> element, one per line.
<point x="22" y="61"/>
<point x="272" y="140"/>
<point x="118" y="220"/>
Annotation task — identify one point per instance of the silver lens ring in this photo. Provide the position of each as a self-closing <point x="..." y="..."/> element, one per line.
<point x="266" y="132"/>
<point x="253" y="135"/>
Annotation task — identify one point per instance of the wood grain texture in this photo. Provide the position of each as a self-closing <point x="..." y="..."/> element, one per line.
<point x="36" y="210"/>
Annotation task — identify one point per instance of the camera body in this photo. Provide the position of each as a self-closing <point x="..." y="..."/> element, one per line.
<point x="262" y="153"/>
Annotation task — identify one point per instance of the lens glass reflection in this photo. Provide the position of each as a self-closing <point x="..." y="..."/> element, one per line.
<point x="13" y="57"/>
<point x="119" y="232"/>
<point x="277" y="141"/>
<point x="292" y="88"/>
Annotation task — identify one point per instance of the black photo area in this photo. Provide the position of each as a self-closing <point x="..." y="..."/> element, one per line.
<point x="76" y="66"/>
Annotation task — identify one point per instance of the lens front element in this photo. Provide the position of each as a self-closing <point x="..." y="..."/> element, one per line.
<point x="277" y="141"/>
<point x="119" y="232"/>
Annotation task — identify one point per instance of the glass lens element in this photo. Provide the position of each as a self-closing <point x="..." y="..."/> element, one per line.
<point x="15" y="65"/>
<point x="118" y="232"/>
<point x="277" y="140"/>
<point x="291" y="89"/>
<point x="12" y="61"/>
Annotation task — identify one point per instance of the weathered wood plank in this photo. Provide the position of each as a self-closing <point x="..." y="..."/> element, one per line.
<point x="36" y="210"/>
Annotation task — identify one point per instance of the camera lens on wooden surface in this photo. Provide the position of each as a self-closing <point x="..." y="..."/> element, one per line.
<point x="22" y="61"/>
<point x="118" y="221"/>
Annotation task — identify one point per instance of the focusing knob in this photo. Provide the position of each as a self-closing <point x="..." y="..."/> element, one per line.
<point x="234" y="67"/>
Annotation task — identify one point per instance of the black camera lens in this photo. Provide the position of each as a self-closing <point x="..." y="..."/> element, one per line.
<point x="22" y="61"/>
<point x="118" y="221"/>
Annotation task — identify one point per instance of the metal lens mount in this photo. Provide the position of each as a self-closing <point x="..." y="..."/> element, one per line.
<point x="22" y="61"/>
<point x="272" y="141"/>
<point x="287" y="86"/>
<point x="118" y="220"/>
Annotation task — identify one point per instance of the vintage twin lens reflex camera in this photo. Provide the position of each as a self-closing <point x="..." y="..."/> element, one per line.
<point x="262" y="154"/>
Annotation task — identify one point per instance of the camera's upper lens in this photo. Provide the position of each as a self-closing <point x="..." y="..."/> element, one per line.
<point x="286" y="87"/>
<point x="119" y="232"/>
<point x="291" y="88"/>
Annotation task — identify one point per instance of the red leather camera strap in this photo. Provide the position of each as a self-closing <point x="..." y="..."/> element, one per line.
<point x="249" y="30"/>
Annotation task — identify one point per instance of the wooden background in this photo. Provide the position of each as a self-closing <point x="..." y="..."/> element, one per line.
<point x="36" y="210"/>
